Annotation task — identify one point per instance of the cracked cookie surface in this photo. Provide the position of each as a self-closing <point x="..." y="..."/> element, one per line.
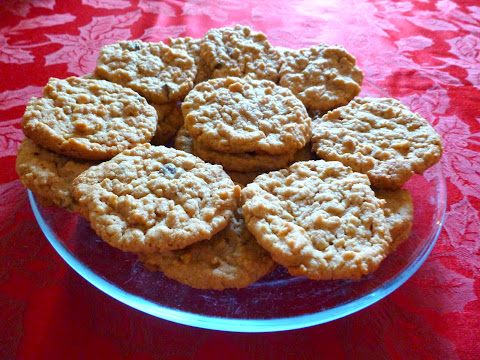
<point x="318" y="219"/>
<point x="49" y="175"/>
<point x="230" y="259"/>
<point x="238" y="52"/>
<point x="243" y="115"/>
<point x="378" y="137"/>
<point x="154" y="199"/>
<point x="88" y="119"/>
<point x="323" y="77"/>
<point x="154" y="70"/>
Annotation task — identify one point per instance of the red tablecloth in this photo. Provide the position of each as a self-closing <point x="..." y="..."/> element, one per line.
<point x="424" y="53"/>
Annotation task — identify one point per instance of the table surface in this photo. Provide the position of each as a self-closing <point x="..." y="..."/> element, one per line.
<point x="424" y="53"/>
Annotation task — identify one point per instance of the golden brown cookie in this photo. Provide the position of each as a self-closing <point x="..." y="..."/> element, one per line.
<point x="170" y="119"/>
<point x="378" y="137"/>
<point x="231" y="259"/>
<point x="88" y="119"/>
<point x="238" y="52"/>
<point x="154" y="199"/>
<point x="323" y="77"/>
<point x="154" y="70"/>
<point x="192" y="47"/>
<point x="398" y="213"/>
<point x="318" y="219"/>
<point x="243" y="115"/>
<point x="49" y="175"/>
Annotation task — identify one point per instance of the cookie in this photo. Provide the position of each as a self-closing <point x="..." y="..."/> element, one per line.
<point x="318" y="219"/>
<point x="49" y="175"/>
<point x="154" y="199"/>
<point x="323" y="77"/>
<point x="192" y="47"/>
<point x="170" y="119"/>
<point x="88" y="119"/>
<point x="230" y="259"/>
<point x="154" y="70"/>
<point x="238" y="52"/>
<point x="398" y="213"/>
<point x="243" y="115"/>
<point x="378" y="137"/>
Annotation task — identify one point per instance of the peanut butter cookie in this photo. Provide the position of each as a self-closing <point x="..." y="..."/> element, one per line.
<point x="238" y="52"/>
<point x="154" y="70"/>
<point x="378" y="137"/>
<point x="49" y="175"/>
<point x="231" y="259"/>
<point x="88" y="119"/>
<point x="318" y="219"/>
<point x="154" y="199"/>
<point x="323" y="77"/>
<point x="243" y="115"/>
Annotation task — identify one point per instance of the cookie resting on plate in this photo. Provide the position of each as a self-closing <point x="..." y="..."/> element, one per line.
<point x="378" y="137"/>
<point x="243" y="115"/>
<point x="230" y="259"/>
<point x="154" y="70"/>
<point x="154" y="199"/>
<point x="239" y="52"/>
<point x="88" y="119"/>
<point x="323" y="77"/>
<point x="318" y="219"/>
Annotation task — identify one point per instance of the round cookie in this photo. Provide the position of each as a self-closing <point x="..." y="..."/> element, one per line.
<point x="318" y="219"/>
<point x="238" y="52"/>
<point x="49" y="175"/>
<point x="154" y="70"/>
<point x="154" y="199"/>
<point x="243" y="115"/>
<point x="170" y="119"/>
<point x="192" y="47"/>
<point x="230" y="259"/>
<point x="378" y="137"/>
<point x="323" y="77"/>
<point x="88" y="119"/>
<point x="398" y="213"/>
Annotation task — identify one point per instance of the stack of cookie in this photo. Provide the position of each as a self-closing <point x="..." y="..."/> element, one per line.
<point x="245" y="125"/>
<point x="240" y="110"/>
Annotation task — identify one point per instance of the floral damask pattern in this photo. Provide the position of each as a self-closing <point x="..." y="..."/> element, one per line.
<point x="425" y="53"/>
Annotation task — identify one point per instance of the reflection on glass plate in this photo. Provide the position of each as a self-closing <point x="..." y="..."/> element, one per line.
<point x="276" y="302"/>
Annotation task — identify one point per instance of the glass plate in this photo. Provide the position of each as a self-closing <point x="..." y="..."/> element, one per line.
<point x="276" y="302"/>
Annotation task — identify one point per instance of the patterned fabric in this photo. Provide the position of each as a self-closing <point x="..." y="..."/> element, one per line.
<point x="425" y="53"/>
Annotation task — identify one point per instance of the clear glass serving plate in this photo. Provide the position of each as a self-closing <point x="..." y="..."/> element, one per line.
<point x="276" y="302"/>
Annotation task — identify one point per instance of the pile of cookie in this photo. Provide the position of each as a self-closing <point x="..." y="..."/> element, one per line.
<point x="275" y="159"/>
